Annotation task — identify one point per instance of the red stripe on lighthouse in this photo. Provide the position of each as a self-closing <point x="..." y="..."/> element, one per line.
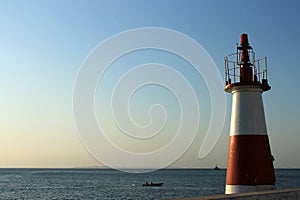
<point x="250" y="161"/>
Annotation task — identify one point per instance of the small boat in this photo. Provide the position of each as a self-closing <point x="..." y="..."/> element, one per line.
<point x="216" y="168"/>
<point x="153" y="184"/>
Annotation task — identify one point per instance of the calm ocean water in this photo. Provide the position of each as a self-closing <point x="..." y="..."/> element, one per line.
<point x="112" y="184"/>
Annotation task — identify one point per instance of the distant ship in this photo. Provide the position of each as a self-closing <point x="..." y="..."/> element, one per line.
<point x="216" y="168"/>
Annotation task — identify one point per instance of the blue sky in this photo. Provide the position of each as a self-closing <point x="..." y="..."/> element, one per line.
<point x="44" y="43"/>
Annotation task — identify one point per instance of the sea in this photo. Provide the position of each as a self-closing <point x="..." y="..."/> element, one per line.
<point x="112" y="184"/>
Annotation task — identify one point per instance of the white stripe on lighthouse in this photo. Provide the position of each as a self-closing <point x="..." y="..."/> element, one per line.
<point x="232" y="189"/>
<point x="247" y="117"/>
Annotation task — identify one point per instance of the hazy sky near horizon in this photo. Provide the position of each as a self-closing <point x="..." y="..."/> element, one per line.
<point x="44" y="43"/>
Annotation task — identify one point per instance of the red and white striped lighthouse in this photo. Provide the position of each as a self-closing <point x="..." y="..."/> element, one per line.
<point x="250" y="162"/>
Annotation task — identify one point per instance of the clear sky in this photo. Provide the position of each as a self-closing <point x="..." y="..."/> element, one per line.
<point x="44" y="43"/>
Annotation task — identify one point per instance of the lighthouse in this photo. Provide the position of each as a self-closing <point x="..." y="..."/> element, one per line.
<point x="250" y="162"/>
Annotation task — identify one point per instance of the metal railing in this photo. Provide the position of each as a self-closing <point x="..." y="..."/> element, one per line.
<point x="233" y="67"/>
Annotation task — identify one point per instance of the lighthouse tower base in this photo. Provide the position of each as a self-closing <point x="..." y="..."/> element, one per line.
<point x="232" y="189"/>
<point x="250" y="163"/>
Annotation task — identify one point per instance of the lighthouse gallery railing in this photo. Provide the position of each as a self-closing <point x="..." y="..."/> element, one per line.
<point x="233" y="66"/>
